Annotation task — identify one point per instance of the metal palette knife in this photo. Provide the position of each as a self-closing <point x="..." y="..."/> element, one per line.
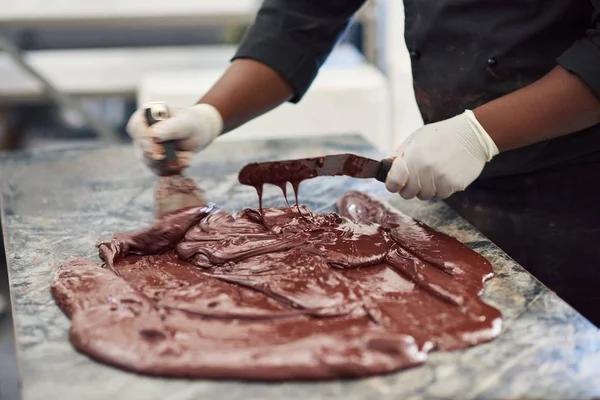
<point x="294" y="171"/>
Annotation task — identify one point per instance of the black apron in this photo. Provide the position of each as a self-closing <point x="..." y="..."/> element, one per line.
<point x="537" y="203"/>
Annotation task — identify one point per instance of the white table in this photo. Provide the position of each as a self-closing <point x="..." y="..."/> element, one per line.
<point x="86" y="13"/>
<point x="102" y="72"/>
<point x="35" y="14"/>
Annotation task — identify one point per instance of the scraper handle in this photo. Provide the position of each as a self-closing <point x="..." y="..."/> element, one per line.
<point x="154" y="113"/>
<point x="384" y="169"/>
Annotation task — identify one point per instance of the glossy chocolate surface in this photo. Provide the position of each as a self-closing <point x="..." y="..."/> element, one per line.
<point x="286" y="294"/>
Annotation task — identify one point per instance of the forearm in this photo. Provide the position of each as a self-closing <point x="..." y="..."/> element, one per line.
<point x="246" y="90"/>
<point x="279" y="57"/>
<point x="558" y="104"/>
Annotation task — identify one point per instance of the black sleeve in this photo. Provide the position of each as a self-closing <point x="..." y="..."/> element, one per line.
<point x="583" y="57"/>
<point x="295" y="37"/>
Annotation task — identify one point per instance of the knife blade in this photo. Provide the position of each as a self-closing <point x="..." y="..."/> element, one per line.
<point x="279" y="172"/>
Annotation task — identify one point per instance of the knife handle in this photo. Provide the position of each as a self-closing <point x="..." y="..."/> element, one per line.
<point x="156" y="112"/>
<point x="384" y="169"/>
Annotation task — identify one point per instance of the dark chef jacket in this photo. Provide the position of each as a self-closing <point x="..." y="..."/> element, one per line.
<point x="464" y="53"/>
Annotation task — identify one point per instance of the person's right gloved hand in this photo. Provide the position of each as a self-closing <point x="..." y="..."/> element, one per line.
<point x="193" y="128"/>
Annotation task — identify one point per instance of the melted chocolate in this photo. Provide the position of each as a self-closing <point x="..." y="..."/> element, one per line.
<point x="279" y="173"/>
<point x="210" y="294"/>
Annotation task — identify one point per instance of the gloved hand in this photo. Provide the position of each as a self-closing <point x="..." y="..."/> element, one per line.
<point x="194" y="128"/>
<point x="441" y="158"/>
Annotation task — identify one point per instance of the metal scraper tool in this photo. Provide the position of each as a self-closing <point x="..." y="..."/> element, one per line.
<point x="173" y="191"/>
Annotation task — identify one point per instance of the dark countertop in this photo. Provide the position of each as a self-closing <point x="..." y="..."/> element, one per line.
<point x="59" y="203"/>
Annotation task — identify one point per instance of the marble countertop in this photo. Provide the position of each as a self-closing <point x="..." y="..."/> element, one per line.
<point x="59" y="203"/>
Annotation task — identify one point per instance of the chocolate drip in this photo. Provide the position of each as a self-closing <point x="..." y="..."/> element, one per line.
<point x="296" y="186"/>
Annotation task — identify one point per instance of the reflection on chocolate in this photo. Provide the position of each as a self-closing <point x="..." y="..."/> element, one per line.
<point x="209" y="294"/>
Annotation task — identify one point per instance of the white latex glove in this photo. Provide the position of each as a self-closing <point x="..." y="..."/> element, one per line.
<point x="194" y="128"/>
<point x="441" y="158"/>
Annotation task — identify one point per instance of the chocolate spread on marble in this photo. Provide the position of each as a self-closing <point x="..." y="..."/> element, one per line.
<point x="210" y="294"/>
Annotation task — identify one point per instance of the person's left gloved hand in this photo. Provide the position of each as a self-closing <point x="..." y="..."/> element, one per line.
<point x="193" y="129"/>
<point x="441" y="158"/>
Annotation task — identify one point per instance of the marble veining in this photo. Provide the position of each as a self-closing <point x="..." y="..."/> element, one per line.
<point x="59" y="203"/>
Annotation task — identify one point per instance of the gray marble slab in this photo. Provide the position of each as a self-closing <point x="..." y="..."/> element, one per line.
<point x="59" y="203"/>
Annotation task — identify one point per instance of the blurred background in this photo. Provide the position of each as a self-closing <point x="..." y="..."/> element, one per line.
<point x="73" y="71"/>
